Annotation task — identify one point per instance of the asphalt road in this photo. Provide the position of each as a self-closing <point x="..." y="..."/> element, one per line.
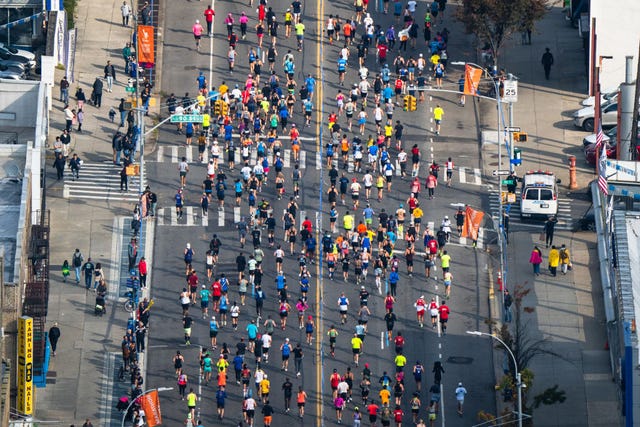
<point x="464" y="358"/>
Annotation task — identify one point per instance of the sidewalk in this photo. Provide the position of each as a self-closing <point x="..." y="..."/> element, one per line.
<point x="568" y="309"/>
<point x="80" y="383"/>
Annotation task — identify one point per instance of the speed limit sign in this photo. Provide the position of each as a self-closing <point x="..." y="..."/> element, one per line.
<point x="510" y="91"/>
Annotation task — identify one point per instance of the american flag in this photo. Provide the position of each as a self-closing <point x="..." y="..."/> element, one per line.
<point x="602" y="163"/>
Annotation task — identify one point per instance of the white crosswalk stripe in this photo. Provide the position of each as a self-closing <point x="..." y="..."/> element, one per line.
<point x="100" y="181"/>
<point x="565" y="221"/>
<point x="471" y="176"/>
<point x="191" y="217"/>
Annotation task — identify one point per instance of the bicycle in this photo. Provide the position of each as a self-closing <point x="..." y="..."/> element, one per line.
<point x="132" y="296"/>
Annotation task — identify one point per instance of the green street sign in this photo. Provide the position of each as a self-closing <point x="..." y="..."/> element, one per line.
<point x="130" y="89"/>
<point x="508" y="182"/>
<point x="186" y="118"/>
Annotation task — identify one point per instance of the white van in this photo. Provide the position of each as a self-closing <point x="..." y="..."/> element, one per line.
<point x="539" y="195"/>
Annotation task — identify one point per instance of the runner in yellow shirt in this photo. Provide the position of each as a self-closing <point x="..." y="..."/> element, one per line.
<point x="356" y="347"/>
<point x="385" y="396"/>
<point x="438" y="112"/>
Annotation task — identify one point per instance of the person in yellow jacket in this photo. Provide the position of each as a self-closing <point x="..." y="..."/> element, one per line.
<point x="554" y="260"/>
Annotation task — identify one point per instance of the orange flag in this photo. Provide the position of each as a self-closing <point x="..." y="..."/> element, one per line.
<point x="472" y="221"/>
<point x="151" y="406"/>
<point x="472" y="77"/>
<point x="145" y="44"/>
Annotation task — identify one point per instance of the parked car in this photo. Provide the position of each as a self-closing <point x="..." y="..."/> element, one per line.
<point x="612" y="152"/>
<point x="583" y="118"/>
<point x="20" y="52"/>
<point x="607" y="95"/>
<point x="16" y="67"/>
<point x="610" y="134"/>
<point x="11" y="73"/>
<point x="5" y="55"/>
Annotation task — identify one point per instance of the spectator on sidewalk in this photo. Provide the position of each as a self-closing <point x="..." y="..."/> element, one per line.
<point x="547" y="62"/>
<point x="76" y="261"/>
<point x="126" y="55"/>
<point x="536" y="259"/>
<point x="123" y="112"/>
<point x="80" y="119"/>
<point x="125" y="9"/>
<point x="81" y="98"/>
<point x="65" y="139"/>
<point x="132" y="253"/>
<point x="554" y="260"/>
<point x="74" y="165"/>
<point x="68" y="117"/>
<point x="508" y="301"/>
<point x="54" y="336"/>
<point x="64" y="90"/>
<point x="110" y="75"/>
<point x="88" y="268"/>
<point x="145" y="13"/>
<point x="549" y="229"/>
<point x="96" y="95"/>
<point x="565" y="259"/>
<point x="59" y="163"/>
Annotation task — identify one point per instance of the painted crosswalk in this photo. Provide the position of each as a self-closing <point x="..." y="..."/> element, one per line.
<point x="565" y="221"/>
<point x="192" y="216"/>
<point x="174" y="154"/>
<point x="100" y="181"/>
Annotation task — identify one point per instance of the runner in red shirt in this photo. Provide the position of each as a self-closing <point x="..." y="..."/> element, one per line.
<point x="433" y="311"/>
<point x="444" y="316"/>
<point x="397" y="415"/>
<point x="399" y="342"/>
<point x="420" y="306"/>
<point x="334" y="380"/>
<point x="372" y="410"/>
<point x="382" y="53"/>
<point x="216" y="293"/>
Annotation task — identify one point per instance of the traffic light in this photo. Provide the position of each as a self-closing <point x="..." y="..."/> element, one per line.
<point x="410" y="103"/>
<point x="519" y="136"/>
<point x="517" y="157"/>
<point x="217" y="107"/>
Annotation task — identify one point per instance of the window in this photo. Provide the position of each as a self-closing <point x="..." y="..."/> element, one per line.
<point x="531" y="194"/>
<point x="546" y="194"/>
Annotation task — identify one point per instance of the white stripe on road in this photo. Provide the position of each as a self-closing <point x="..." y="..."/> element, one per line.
<point x="190" y="214"/>
<point x="174" y="154"/>
<point x="477" y="176"/>
<point x="318" y="160"/>
<point x="160" y="153"/>
<point x="236" y="214"/>
<point x="220" y="217"/>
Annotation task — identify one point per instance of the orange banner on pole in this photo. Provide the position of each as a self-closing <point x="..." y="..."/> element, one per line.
<point x="472" y="77"/>
<point x="150" y="404"/>
<point x="145" y="44"/>
<point x="472" y="221"/>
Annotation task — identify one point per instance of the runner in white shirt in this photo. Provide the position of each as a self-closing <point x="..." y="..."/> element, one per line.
<point x="411" y="5"/>
<point x="364" y="86"/>
<point x="402" y="160"/>
<point x="367" y="179"/>
<point x="215" y="152"/>
<point x="377" y="116"/>
<point x="368" y="21"/>
<point x="266" y="345"/>
<point x="355" y="193"/>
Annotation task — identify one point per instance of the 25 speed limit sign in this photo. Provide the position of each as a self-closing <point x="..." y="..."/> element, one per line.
<point x="510" y="91"/>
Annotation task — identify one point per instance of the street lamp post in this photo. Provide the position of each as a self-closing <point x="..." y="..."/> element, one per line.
<point x="519" y="384"/>
<point x="126" y="411"/>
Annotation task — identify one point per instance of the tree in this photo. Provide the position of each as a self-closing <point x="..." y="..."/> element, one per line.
<point x="494" y="21"/>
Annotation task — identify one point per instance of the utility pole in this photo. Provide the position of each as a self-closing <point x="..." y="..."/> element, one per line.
<point x="626" y="105"/>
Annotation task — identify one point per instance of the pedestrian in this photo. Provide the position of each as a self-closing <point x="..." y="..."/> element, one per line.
<point x="444" y="316"/>
<point x="54" y="336"/>
<point x="87" y="423"/>
<point x="301" y="400"/>
<point x="109" y="75"/>
<point x="565" y="259"/>
<point x="287" y="389"/>
<point x="97" y="93"/>
<point x="208" y="17"/>
<point x="460" y="394"/>
<point x="80" y="119"/>
<point x="68" y="117"/>
<point x="142" y="271"/>
<point x="549" y="229"/>
<point x="88" y="268"/>
<point x="74" y="165"/>
<point x="438" y="113"/>
<point x="547" y="62"/>
<point x="132" y="253"/>
<point x="183" y="169"/>
<point x="192" y="399"/>
<point x="64" y="90"/>
<point x="197" y="31"/>
<point x="554" y="260"/>
<point x="77" y="261"/>
<point x="124" y="179"/>
<point x="536" y="259"/>
<point x="508" y="301"/>
<point x="125" y="10"/>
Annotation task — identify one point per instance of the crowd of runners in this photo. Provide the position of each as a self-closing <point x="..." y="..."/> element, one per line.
<point x="251" y="121"/>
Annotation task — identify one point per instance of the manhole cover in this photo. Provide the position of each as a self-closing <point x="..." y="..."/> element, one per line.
<point x="459" y="360"/>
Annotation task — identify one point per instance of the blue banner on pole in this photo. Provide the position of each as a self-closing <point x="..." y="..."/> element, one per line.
<point x="53" y="5"/>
